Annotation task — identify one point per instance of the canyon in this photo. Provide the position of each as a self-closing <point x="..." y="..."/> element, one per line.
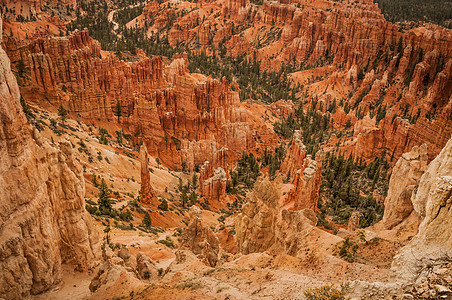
<point x="228" y="149"/>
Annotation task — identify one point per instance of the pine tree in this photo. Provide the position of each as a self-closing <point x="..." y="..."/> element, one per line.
<point x="147" y="222"/>
<point x="104" y="198"/>
<point x="193" y="198"/>
<point x="25" y="107"/>
<point x="107" y="230"/>
<point x="62" y="113"/>
<point x="21" y="68"/>
<point x="95" y="180"/>
<point x="118" y="111"/>
<point x="180" y="186"/>
<point x="194" y="180"/>
<point x="163" y="205"/>
<point x="184" y="198"/>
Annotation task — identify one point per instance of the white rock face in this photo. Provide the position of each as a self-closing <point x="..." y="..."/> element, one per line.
<point x="432" y="200"/>
<point x="405" y="175"/>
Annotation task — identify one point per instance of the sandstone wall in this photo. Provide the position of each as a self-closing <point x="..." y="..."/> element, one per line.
<point x="43" y="221"/>
<point x="180" y="117"/>
<point x="352" y="37"/>
<point x="199" y="239"/>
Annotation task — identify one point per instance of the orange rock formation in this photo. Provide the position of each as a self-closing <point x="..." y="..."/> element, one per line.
<point x="43" y="221"/>
<point x="147" y="195"/>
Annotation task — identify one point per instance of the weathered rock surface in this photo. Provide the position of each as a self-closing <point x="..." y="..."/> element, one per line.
<point x="353" y="38"/>
<point x="307" y="174"/>
<point x="432" y="201"/>
<point x="255" y="226"/>
<point x="262" y="226"/>
<point x="43" y="221"/>
<point x="353" y="221"/>
<point x="405" y="175"/>
<point x="295" y="155"/>
<point x="305" y="193"/>
<point x="213" y="176"/>
<point x="200" y="239"/>
<point x="213" y="187"/>
<point x="398" y="136"/>
<point x="112" y="276"/>
<point x="146" y="267"/>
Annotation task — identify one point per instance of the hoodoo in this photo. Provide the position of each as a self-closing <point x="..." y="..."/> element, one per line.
<point x="225" y="149"/>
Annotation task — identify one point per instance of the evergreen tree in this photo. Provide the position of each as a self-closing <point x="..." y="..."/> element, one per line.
<point x="25" y="107"/>
<point x="194" y="180"/>
<point x="163" y="205"/>
<point x="118" y="111"/>
<point x="147" y="222"/>
<point x="184" y="198"/>
<point x="94" y="181"/>
<point x="104" y="198"/>
<point x="21" y="68"/>
<point x="180" y="186"/>
<point x="193" y="198"/>
<point x="62" y="113"/>
<point x="107" y="230"/>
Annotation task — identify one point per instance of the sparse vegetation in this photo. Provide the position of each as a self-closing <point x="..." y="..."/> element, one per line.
<point x="167" y="242"/>
<point x="62" y="113"/>
<point x="327" y="292"/>
<point x="348" y="250"/>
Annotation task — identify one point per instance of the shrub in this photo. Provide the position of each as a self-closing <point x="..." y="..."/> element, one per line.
<point x="167" y="242"/>
<point x="348" y="250"/>
<point x="126" y="215"/>
<point x="91" y="209"/>
<point x="163" y="205"/>
<point x="326" y="292"/>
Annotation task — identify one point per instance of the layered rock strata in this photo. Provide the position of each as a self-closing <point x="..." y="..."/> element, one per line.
<point x="43" y="221"/>
<point x="307" y="174"/>
<point x="181" y="117"/>
<point x="377" y="60"/>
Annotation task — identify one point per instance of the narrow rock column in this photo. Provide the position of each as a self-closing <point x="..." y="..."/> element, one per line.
<point x="147" y="192"/>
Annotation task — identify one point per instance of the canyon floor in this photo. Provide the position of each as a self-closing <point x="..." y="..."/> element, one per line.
<point x="254" y="276"/>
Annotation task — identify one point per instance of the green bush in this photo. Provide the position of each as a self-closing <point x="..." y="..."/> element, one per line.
<point x="167" y="242"/>
<point x="327" y="292"/>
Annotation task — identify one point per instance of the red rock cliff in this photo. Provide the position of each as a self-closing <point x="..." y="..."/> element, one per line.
<point x="181" y="117"/>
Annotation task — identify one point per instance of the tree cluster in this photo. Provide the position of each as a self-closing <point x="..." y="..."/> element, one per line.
<point x="348" y="185"/>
